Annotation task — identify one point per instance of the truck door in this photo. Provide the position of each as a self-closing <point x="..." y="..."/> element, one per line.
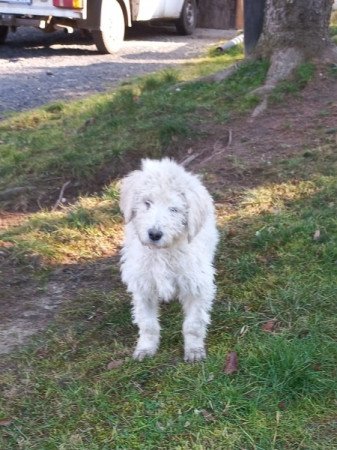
<point x="173" y="8"/>
<point x="154" y="9"/>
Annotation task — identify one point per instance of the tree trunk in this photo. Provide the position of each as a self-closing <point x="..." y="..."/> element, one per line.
<point x="294" y="31"/>
<point x="301" y="24"/>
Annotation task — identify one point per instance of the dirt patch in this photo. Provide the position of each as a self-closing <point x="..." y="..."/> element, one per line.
<point x="11" y="219"/>
<point x="28" y="303"/>
<point x="241" y="153"/>
<point x="235" y="156"/>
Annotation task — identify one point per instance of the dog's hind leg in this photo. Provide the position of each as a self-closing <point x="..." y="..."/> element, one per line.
<point x="145" y="315"/>
<point x="196" y="310"/>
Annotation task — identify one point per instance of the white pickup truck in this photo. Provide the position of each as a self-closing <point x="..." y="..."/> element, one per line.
<point x="106" y="20"/>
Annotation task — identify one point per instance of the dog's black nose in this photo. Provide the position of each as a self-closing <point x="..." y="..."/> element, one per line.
<point x="155" y="235"/>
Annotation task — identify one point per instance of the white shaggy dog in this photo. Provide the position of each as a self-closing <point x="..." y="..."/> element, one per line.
<point x="170" y="240"/>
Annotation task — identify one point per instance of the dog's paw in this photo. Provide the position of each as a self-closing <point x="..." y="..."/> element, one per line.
<point x="141" y="353"/>
<point x="195" y="354"/>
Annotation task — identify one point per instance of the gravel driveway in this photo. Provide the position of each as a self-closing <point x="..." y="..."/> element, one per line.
<point x="37" y="68"/>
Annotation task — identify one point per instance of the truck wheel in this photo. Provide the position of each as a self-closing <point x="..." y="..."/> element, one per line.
<point x="187" y="21"/>
<point x="3" y="34"/>
<point x="109" y="38"/>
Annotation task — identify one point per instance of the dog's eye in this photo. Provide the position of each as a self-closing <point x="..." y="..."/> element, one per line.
<point x="147" y="204"/>
<point x="173" y="209"/>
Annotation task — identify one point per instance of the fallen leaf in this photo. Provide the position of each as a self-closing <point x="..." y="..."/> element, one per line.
<point x="317" y="235"/>
<point x="160" y="426"/>
<point x="207" y="415"/>
<point x="5" y="422"/>
<point x="231" y="365"/>
<point x="210" y="377"/>
<point x="269" y="326"/>
<point x="6" y="244"/>
<point x="282" y="405"/>
<point x="42" y="353"/>
<point x="114" y="364"/>
<point x="231" y="233"/>
<point x="244" y="330"/>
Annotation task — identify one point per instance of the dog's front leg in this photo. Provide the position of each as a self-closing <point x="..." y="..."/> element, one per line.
<point x="196" y="312"/>
<point x="145" y="315"/>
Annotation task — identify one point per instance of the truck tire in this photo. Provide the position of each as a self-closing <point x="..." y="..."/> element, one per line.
<point x="112" y="28"/>
<point x="3" y="34"/>
<point x="187" y="21"/>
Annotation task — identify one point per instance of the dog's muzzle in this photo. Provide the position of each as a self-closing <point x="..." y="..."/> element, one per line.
<point x="155" y="235"/>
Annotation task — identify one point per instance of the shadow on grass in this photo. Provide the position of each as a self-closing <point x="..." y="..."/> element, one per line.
<point x="270" y="266"/>
<point x="93" y="142"/>
<point x="276" y="260"/>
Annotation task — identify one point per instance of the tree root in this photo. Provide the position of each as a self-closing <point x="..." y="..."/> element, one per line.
<point x="260" y="108"/>
<point x="283" y="63"/>
<point x="282" y="66"/>
<point x="221" y="75"/>
<point x="213" y="78"/>
<point x="329" y="56"/>
<point x="60" y="197"/>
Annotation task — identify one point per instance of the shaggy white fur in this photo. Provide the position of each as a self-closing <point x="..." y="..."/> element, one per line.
<point x="170" y="240"/>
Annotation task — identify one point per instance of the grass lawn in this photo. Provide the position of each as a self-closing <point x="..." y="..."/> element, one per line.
<point x="75" y="387"/>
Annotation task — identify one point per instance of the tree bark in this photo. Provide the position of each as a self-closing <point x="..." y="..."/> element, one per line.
<point x="301" y="24"/>
<point x="294" y="31"/>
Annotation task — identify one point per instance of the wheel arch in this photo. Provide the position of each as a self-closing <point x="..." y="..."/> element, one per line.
<point x="93" y="21"/>
<point x="125" y="5"/>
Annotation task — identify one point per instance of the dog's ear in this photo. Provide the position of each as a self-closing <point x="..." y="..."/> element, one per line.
<point x="199" y="206"/>
<point x="128" y="190"/>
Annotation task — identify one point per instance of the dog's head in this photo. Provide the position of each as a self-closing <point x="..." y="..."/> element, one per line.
<point x="165" y="203"/>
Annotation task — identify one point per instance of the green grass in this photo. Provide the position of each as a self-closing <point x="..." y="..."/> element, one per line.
<point x="271" y="264"/>
<point x="61" y="394"/>
<point x="303" y="74"/>
<point x="78" y="140"/>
